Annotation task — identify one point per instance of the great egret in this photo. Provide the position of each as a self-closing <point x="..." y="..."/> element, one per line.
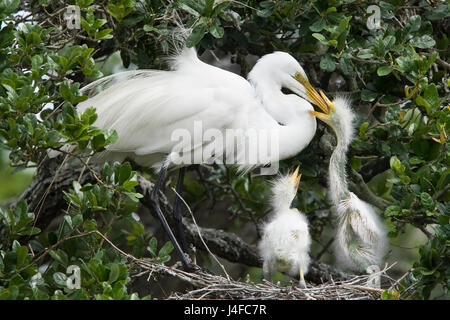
<point x="361" y="239"/>
<point x="146" y="107"/>
<point x="285" y="242"/>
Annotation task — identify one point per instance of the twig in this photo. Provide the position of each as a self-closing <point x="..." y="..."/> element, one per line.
<point x="200" y="234"/>
<point x="324" y="249"/>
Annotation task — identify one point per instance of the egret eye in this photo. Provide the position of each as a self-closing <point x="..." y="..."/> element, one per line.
<point x="287" y="91"/>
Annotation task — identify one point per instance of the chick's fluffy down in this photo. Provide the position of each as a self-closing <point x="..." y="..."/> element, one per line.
<point x="285" y="243"/>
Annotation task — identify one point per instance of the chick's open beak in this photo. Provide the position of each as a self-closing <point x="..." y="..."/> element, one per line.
<point x="296" y="177"/>
<point x="321" y="100"/>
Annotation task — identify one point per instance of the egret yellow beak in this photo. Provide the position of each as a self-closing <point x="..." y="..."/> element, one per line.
<point x="321" y="100"/>
<point x="296" y="177"/>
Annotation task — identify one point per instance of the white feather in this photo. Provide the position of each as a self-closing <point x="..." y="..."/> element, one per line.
<point x="283" y="190"/>
<point x="285" y="244"/>
<point x="285" y="241"/>
<point x="361" y="237"/>
<point x="146" y="106"/>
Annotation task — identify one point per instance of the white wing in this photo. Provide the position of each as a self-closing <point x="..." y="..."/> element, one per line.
<point x="146" y="107"/>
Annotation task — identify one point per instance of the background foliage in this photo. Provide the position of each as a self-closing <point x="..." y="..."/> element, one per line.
<point x="397" y="77"/>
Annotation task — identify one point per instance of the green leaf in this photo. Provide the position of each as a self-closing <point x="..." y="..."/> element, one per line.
<point x="98" y="142"/>
<point x="104" y="34"/>
<point x="114" y="273"/>
<point x="427" y="201"/>
<point x="327" y="63"/>
<point x="423" y="103"/>
<point x="68" y="220"/>
<point x="392" y="211"/>
<point x="60" y="279"/>
<point x="384" y="70"/>
<point x="321" y="38"/>
<point x="415" y="160"/>
<point x="365" y="54"/>
<point x="29" y="231"/>
<point x="118" y="291"/>
<point x="423" y="42"/>
<point x="60" y="256"/>
<point x="355" y="163"/>
<point x="216" y="30"/>
<point x="121" y="9"/>
<point x="414" y="23"/>
<point x="396" y="164"/>
<point x="22" y="253"/>
<point x="363" y="130"/>
<point x="8" y="6"/>
<point x="430" y="100"/>
<point x="152" y="246"/>
<point x="432" y="97"/>
<point x="208" y="7"/>
<point x="196" y="8"/>
<point x="318" y="26"/>
<point x="367" y="95"/>
<point x="76" y="220"/>
<point x="197" y="34"/>
<point x="219" y="8"/>
<point x="389" y="295"/>
<point x="266" y="10"/>
<point x="166" y="249"/>
<point x="124" y="172"/>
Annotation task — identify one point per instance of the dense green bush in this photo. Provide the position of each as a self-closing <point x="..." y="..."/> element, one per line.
<point x="397" y="76"/>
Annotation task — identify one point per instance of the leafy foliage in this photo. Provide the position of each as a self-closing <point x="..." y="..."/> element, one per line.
<point x="42" y="270"/>
<point x="397" y="77"/>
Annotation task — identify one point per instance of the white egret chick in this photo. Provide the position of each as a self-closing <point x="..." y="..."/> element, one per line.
<point x="286" y="241"/>
<point x="361" y="239"/>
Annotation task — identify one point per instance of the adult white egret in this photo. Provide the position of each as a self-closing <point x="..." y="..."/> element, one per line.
<point x="361" y="239"/>
<point x="285" y="242"/>
<point x="146" y="107"/>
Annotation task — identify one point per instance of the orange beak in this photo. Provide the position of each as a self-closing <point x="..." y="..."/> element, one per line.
<point x="321" y="100"/>
<point x="296" y="177"/>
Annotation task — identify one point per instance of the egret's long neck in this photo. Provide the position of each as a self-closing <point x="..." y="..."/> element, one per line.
<point x="296" y="127"/>
<point x="337" y="175"/>
<point x="269" y="93"/>
<point x="343" y="128"/>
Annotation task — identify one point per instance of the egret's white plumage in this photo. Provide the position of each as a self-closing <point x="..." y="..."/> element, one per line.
<point x="176" y="117"/>
<point x="285" y="241"/>
<point x="361" y="239"/>
<point x="145" y="107"/>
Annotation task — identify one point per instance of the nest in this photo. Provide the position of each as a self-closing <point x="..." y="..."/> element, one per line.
<point x="210" y="286"/>
<point x="218" y="287"/>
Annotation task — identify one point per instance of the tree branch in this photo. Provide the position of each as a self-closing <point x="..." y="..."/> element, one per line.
<point x="360" y="188"/>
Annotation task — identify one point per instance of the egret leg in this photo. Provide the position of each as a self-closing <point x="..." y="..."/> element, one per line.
<point x="266" y="272"/>
<point x="177" y="216"/>
<point x="154" y="198"/>
<point x="302" y="279"/>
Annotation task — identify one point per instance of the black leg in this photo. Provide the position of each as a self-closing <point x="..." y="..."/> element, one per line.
<point x="177" y="216"/>
<point x="155" y="203"/>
